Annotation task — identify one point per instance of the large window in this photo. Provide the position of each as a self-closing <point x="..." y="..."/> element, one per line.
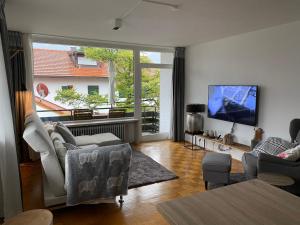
<point x="82" y="77"/>
<point x="132" y="80"/>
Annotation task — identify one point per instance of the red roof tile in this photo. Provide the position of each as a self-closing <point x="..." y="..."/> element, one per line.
<point x="58" y="63"/>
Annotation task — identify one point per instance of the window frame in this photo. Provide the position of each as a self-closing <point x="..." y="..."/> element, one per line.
<point x="137" y="65"/>
<point x="67" y="87"/>
<point x="93" y="86"/>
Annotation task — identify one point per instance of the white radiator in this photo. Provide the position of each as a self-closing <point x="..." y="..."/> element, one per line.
<point x="116" y="129"/>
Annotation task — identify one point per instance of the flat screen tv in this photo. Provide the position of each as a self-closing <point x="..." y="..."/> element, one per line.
<point x="234" y="103"/>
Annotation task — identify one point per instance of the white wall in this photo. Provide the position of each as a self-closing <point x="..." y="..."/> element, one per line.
<point x="269" y="58"/>
<point x="79" y="83"/>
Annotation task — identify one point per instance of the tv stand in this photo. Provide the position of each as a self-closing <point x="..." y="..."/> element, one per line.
<point x="236" y="149"/>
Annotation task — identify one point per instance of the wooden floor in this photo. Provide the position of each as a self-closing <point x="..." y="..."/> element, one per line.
<point x="140" y="204"/>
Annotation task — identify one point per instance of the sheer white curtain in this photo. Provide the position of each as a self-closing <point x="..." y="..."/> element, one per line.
<point x="9" y="171"/>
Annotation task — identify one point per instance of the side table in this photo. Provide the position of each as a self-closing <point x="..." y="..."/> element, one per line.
<point x="32" y="217"/>
<point x="193" y="145"/>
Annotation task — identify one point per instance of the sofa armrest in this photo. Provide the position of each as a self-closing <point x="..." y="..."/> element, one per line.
<point x="250" y="165"/>
<point x="273" y="164"/>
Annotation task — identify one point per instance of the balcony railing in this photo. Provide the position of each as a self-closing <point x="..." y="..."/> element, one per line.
<point x="150" y="115"/>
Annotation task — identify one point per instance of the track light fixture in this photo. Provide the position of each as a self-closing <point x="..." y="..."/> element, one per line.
<point x="119" y="21"/>
<point x="173" y="7"/>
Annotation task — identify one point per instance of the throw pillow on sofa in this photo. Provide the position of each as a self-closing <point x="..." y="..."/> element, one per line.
<point x="61" y="152"/>
<point x="273" y="146"/>
<point x="70" y="146"/>
<point x="65" y="133"/>
<point x="49" y="126"/>
<point x="55" y="134"/>
<point x="292" y="154"/>
<point x="61" y="149"/>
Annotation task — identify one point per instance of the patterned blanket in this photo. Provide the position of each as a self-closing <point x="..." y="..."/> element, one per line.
<point x="98" y="173"/>
<point x="273" y="146"/>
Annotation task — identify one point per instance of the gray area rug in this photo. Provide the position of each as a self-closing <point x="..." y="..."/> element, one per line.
<point x="144" y="170"/>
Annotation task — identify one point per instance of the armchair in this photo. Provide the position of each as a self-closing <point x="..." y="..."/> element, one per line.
<point x="254" y="164"/>
<point x="273" y="164"/>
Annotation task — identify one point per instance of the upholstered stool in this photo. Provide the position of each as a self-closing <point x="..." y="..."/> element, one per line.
<point x="216" y="168"/>
<point x="32" y="217"/>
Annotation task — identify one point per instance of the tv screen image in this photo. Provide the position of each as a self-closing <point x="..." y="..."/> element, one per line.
<point x="233" y="103"/>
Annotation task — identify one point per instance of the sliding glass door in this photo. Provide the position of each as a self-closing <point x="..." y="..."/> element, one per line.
<point x="156" y="89"/>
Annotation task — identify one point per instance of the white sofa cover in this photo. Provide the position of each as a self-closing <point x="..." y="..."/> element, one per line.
<point x="39" y="140"/>
<point x="98" y="139"/>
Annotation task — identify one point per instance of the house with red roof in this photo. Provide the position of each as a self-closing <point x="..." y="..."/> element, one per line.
<point x="59" y="69"/>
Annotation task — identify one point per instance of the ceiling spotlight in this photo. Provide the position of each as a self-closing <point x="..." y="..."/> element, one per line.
<point x="117" y="24"/>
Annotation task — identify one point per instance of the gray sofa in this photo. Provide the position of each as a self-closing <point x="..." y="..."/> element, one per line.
<point x="268" y="163"/>
<point x="39" y="140"/>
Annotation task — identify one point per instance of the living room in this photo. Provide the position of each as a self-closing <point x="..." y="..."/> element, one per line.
<point x="157" y="88"/>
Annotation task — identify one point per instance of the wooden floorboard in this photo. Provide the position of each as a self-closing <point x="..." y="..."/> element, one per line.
<point x="140" y="204"/>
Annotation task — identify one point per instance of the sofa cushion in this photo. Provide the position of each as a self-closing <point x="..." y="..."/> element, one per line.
<point x="61" y="152"/>
<point x="292" y="154"/>
<point x="49" y="127"/>
<point x="65" y="133"/>
<point x="273" y="146"/>
<point x="98" y="139"/>
<point x="61" y="148"/>
<point x="58" y="136"/>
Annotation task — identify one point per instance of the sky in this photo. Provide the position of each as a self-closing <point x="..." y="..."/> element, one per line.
<point x="154" y="56"/>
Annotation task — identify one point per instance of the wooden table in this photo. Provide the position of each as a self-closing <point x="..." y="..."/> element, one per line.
<point x="276" y="179"/>
<point x="32" y="217"/>
<point x="248" y="203"/>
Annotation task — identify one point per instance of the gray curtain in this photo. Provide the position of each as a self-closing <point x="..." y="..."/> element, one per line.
<point x="178" y="93"/>
<point x="5" y="46"/>
<point x="18" y="79"/>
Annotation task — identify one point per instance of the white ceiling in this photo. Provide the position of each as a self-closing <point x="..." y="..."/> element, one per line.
<point x="197" y="20"/>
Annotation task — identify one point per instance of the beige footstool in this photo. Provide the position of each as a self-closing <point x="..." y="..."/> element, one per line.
<point x="32" y="217"/>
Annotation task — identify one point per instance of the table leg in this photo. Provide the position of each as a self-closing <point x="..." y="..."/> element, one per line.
<point x="193" y="142"/>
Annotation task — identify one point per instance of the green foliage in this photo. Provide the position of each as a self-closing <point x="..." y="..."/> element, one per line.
<point x="123" y="61"/>
<point x="94" y="100"/>
<point x="150" y="87"/>
<point x="72" y="98"/>
<point x="69" y="97"/>
<point x="101" y="54"/>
